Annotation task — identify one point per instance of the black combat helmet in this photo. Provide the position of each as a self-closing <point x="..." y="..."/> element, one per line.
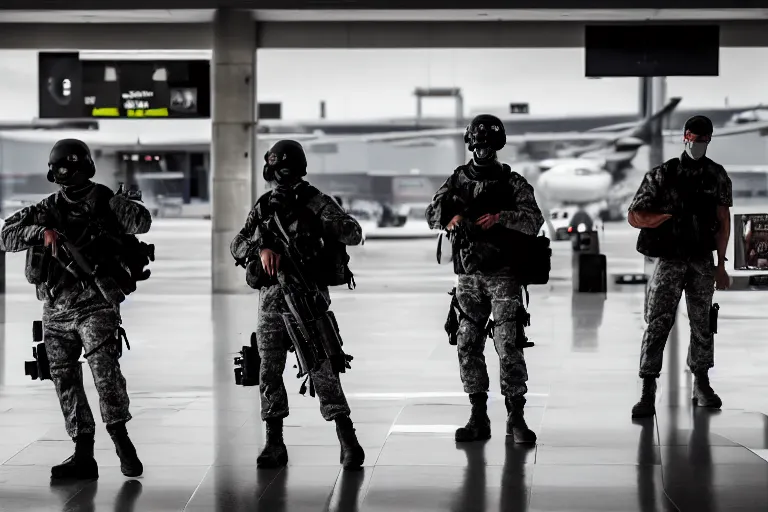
<point x="70" y="162"/>
<point x="699" y="125"/>
<point x="285" y="161"/>
<point x="485" y="132"/>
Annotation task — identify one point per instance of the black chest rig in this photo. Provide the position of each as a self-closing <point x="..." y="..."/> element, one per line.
<point x="321" y="259"/>
<point x="691" y="197"/>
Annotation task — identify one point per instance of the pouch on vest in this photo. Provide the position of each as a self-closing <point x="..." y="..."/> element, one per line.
<point x="335" y="265"/>
<point x="256" y="277"/>
<point x="537" y="262"/>
<point x="36" y="268"/>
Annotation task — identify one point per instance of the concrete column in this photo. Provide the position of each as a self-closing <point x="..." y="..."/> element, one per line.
<point x="658" y="97"/>
<point x="232" y="142"/>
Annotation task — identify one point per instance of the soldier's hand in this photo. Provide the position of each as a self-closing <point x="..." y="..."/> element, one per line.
<point x="722" y="280"/>
<point x="51" y="239"/>
<point x="488" y="220"/>
<point x="270" y="260"/>
<point x="455" y="220"/>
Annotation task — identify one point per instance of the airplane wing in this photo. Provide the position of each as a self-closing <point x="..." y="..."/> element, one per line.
<point x="456" y="132"/>
<point x="727" y="131"/>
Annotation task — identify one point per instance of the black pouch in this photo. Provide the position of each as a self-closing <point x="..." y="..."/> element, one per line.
<point x="256" y="277"/>
<point x="36" y="268"/>
<point x="713" y="312"/>
<point x="452" y="322"/>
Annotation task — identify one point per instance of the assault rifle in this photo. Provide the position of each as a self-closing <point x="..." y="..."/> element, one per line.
<point x="311" y="326"/>
<point x="74" y="262"/>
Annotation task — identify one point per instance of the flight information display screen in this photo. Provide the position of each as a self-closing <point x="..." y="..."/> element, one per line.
<point x="74" y="88"/>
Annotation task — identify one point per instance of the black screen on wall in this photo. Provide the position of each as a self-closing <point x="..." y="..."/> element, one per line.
<point x="652" y="50"/>
<point x="73" y="88"/>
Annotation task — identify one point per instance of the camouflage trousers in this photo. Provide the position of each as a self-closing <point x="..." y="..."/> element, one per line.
<point x="669" y="279"/>
<point x="273" y="343"/>
<point x="67" y="332"/>
<point x="479" y="296"/>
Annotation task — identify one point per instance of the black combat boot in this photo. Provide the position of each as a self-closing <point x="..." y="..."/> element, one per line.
<point x="703" y="394"/>
<point x="275" y="454"/>
<point x="130" y="464"/>
<point x="478" y="427"/>
<point x="81" y="465"/>
<point x="516" y="425"/>
<point x="352" y="454"/>
<point x="646" y="407"/>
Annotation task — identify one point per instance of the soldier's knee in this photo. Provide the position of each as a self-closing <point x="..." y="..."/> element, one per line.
<point x="66" y="371"/>
<point x="272" y="365"/>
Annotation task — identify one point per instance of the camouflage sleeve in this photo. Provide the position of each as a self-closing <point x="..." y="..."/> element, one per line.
<point x="336" y="223"/>
<point x="22" y="230"/>
<point x="134" y="218"/>
<point x="244" y="241"/>
<point x="438" y="214"/>
<point x="526" y="217"/>
<point x="648" y="197"/>
<point x="724" y="188"/>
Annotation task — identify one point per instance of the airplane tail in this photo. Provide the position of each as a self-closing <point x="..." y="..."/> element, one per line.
<point x="625" y="147"/>
<point x="645" y="129"/>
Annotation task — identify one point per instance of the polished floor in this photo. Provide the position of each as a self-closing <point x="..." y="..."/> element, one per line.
<point x="199" y="434"/>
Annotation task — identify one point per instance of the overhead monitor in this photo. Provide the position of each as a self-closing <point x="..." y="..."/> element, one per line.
<point x="651" y="50"/>
<point x="270" y="111"/>
<point x="71" y="87"/>
<point x="751" y="241"/>
<point x="518" y="108"/>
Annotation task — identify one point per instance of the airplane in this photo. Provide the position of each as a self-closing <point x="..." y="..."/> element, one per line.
<point x="579" y="175"/>
<point x="756" y="115"/>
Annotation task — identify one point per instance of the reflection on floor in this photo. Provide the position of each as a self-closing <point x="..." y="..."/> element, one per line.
<point x="199" y="434"/>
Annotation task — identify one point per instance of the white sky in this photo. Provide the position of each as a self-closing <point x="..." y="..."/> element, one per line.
<point x="366" y="84"/>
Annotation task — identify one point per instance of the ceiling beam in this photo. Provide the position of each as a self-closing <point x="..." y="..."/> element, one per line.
<point x="372" y="35"/>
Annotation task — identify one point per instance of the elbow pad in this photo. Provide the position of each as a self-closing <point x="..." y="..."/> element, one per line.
<point x="132" y="216"/>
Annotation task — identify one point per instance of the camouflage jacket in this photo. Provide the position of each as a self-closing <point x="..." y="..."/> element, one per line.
<point x="24" y="230"/>
<point x="508" y="194"/>
<point x="315" y="219"/>
<point x="692" y="196"/>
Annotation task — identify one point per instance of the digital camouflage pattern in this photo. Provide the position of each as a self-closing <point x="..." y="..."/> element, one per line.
<point x="273" y="343"/>
<point x="67" y="332"/>
<point x="77" y="318"/>
<point x="324" y="218"/>
<point x="669" y="279"/>
<point x="479" y="296"/>
<point x="694" y="274"/>
<point x="133" y="217"/>
<point x="331" y="219"/>
<point x="691" y="193"/>
<point x="25" y="228"/>
<point x="498" y="292"/>
<point x="655" y="196"/>
<point x="521" y="214"/>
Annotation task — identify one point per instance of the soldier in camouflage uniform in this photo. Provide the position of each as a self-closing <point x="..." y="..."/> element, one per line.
<point x="76" y="316"/>
<point x="309" y="216"/>
<point x="492" y="205"/>
<point x="683" y="211"/>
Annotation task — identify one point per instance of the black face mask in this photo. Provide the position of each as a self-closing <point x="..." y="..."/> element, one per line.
<point x="280" y="177"/>
<point x="484" y="156"/>
<point x="67" y="177"/>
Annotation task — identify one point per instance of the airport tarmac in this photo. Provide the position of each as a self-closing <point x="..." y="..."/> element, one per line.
<point x="199" y="435"/>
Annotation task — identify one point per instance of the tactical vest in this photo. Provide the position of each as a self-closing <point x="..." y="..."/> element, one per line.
<point x="487" y="251"/>
<point x="326" y="259"/>
<point x="691" y="232"/>
<point x="99" y="239"/>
